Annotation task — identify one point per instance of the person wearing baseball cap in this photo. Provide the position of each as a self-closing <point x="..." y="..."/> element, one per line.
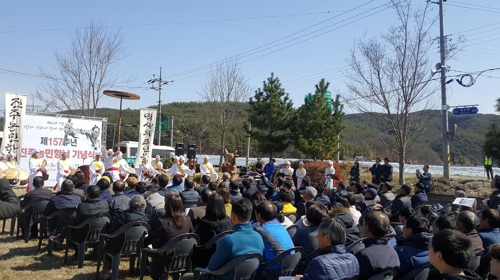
<point x="371" y="198"/>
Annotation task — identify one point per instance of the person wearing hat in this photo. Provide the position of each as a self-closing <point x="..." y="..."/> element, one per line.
<point x="300" y="173"/>
<point x="371" y="198"/>
<point x="269" y="169"/>
<point x="10" y="161"/>
<point x="115" y="166"/>
<point x="329" y="172"/>
<point x="96" y="169"/>
<point x="108" y="160"/>
<point x="287" y="171"/>
<point x="158" y="165"/>
<point x="180" y="169"/>
<point x="35" y="166"/>
<point x="386" y="172"/>
<point x="375" y="171"/>
<point x="63" y="169"/>
<point x="206" y="168"/>
<point x="146" y="171"/>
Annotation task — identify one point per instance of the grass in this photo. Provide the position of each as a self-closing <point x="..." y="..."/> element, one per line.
<point x="20" y="260"/>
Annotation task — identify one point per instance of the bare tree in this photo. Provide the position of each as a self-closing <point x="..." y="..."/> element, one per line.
<point x="389" y="79"/>
<point x="84" y="71"/>
<point x="225" y="90"/>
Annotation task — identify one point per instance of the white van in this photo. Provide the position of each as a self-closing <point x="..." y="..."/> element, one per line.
<point x="129" y="151"/>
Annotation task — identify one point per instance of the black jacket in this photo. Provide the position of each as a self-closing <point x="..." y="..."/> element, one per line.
<point x="469" y="275"/>
<point x="9" y="203"/>
<point x="250" y="191"/>
<point x="88" y="208"/>
<point x="235" y="195"/>
<point x="386" y="171"/>
<point x="376" y="257"/>
<point x="376" y="171"/>
<point x="119" y="202"/>
<point x="189" y="198"/>
<point x="399" y="203"/>
<point x="208" y="228"/>
<point x="354" y="173"/>
<point x="62" y="200"/>
<point x="120" y="219"/>
<point x="494" y="201"/>
<point x="37" y="193"/>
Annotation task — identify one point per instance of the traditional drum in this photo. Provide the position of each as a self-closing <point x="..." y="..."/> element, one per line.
<point x="12" y="174"/>
<point x="23" y="178"/>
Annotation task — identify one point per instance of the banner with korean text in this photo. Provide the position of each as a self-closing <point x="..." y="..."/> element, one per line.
<point x="146" y="135"/>
<point x="51" y="135"/>
<point x="15" y="111"/>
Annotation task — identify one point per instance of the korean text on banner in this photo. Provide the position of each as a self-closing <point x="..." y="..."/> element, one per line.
<point x="146" y="135"/>
<point x="15" y="110"/>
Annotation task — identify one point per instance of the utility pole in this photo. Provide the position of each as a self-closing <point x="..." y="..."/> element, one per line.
<point x="158" y="88"/>
<point x="444" y="110"/>
<point x="172" y="133"/>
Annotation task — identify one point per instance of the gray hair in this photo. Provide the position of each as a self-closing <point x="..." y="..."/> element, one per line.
<point x="226" y="176"/>
<point x="67" y="186"/>
<point x="137" y="203"/>
<point x="468" y="219"/>
<point x="460" y="193"/>
<point x="335" y="229"/>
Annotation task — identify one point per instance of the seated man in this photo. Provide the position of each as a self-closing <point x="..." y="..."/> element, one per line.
<point x="189" y="195"/>
<point x="308" y="194"/>
<point x="420" y="197"/>
<point x="370" y="199"/>
<point x="243" y="241"/>
<point x="9" y="203"/>
<point x="495" y="260"/>
<point x="386" y="194"/>
<point x="65" y="199"/>
<point x="38" y="193"/>
<point x="119" y="201"/>
<point x="276" y="238"/>
<point x="234" y="188"/>
<point x="488" y="227"/>
<point x="198" y="212"/>
<point x="333" y="262"/>
<point x="450" y="253"/>
<point x="377" y="256"/>
<point x="176" y="184"/>
<point x="401" y="201"/>
<point x="93" y="205"/>
<point x="467" y="222"/>
<point x="412" y="249"/>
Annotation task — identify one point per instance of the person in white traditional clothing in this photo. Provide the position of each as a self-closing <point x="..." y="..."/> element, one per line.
<point x="3" y="161"/>
<point x="329" y="172"/>
<point x="63" y="169"/>
<point x="206" y="168"/>
<point x="108" y="160"/>
<point x="10" y="161"/>
<point x="300" y="173"/>
<point x="112" y="164"/>
<point x="145" y="172"/>
<point x="36" y="168"/>
<point x="287" y="170"/>
<point x="96" y="169"/>
<point x="180" y="169"/>
<point x="157" y="164"/>
<point x="123" y="170"/>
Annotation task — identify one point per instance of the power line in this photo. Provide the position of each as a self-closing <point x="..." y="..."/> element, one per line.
<point x="471" y="8"/>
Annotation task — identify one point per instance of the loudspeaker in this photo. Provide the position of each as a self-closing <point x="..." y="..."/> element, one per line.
<point x="179" y="149"/>
<point x="191" y="153"/>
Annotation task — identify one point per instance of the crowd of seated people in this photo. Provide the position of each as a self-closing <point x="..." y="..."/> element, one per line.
<point x="396" y="235"/>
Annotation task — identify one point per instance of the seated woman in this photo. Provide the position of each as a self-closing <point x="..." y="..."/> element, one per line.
<point x="306" y="237"/>
<point x="333" y="262"/>
<point x="488" y="227"/>
<point x="284" y="220"/>
<point x="172" y="224"/>
<point x="287" y="196"/>
<point x="214" y="222"/>
<point x="224" y="192"/>
<point x="412" y="250"/>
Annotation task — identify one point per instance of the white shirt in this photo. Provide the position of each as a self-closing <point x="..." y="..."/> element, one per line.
<point x="329" y="171"/>
<point x="287" y="171"/>
<point x="145" y="167"/>
<point x="207" y="169"/>
<point x="176" y="169"/>
<point x="10" y="164"/>
<point x="96" y="169"/>
<point x="63" y="168"/>
<point x="300" y="174"/>
<point x="157" y="165"/>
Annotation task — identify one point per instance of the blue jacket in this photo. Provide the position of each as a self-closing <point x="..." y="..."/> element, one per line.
<point x="275" y="241"/>
<point x="332" y="263"/>
<point x="425" y="179"/>
<point x="323" y="199"/>
<point x="189" y="198"/>
<point x="489" y="236"/>
<point x="269" y="170"/>
<point x="119" y="202"/>
<point x="105" y="195"/>
<point x="419" y="198"/>
<point x="244" y="240"/>
<point x="376" y="257"/>
<point x="412" y="252"/>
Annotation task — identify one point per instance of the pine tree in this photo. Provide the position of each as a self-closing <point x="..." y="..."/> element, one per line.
<point x="271" y="114"/>
<point x="317" y="126"/>
<point x="492" y="145"/>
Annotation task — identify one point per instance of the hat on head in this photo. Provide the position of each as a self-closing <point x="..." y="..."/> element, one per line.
<point x="386" y="159"/>
<point x="301" y="162"/>
<point x="329" y="162"/>
<point x="287" y="162"/>
<point x="145" y="157"/>
<point x="273" y="159"/>
<point x="311" y="191"/>
<point x="346" y="219"/>
<point x="371" y="191"/>
<point x="206" y="157"/>
<point x="64" y="153"/>
<point x="157" y="156"/>
<point x="8" y="155"/>
<point x="32" y="153"/>
<point x="97" y="153"/>
<point x="110" y="150"/>
<point x="182" y="158"/>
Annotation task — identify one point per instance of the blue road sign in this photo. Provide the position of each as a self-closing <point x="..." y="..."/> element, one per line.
<point x="465" y="111"/>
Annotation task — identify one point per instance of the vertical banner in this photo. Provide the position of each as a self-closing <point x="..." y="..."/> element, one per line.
<point x="146" y="135"/>
<point x="15" y="110"/>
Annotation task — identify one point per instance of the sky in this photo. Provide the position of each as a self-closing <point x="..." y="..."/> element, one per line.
<point x="299" y="41"/>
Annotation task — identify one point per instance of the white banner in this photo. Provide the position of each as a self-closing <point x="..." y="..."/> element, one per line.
<point x="51" y="135"/>
<point x="15" y="111"/>
<point x="146" y="135"/>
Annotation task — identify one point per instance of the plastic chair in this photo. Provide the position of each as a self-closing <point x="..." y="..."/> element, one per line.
<point x="244" y="267"/>
<point x="292" y="230"/>
<point x="63" y="217"/>
<point x="356" y="246"/>
<point x="419" y="273"/>
<point x="483" y="269"/>
<point x="215" y="240"/>
<point x="178" y="250"/>
<point x="389" y="274"/>
<point x="292" y="217"/>
<point x="37" y="205"/>
<point x="93" y="227"/>
<point x="288" y="261"/>
<point x="306" y="260"/>
<point x="133" y="238"/>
